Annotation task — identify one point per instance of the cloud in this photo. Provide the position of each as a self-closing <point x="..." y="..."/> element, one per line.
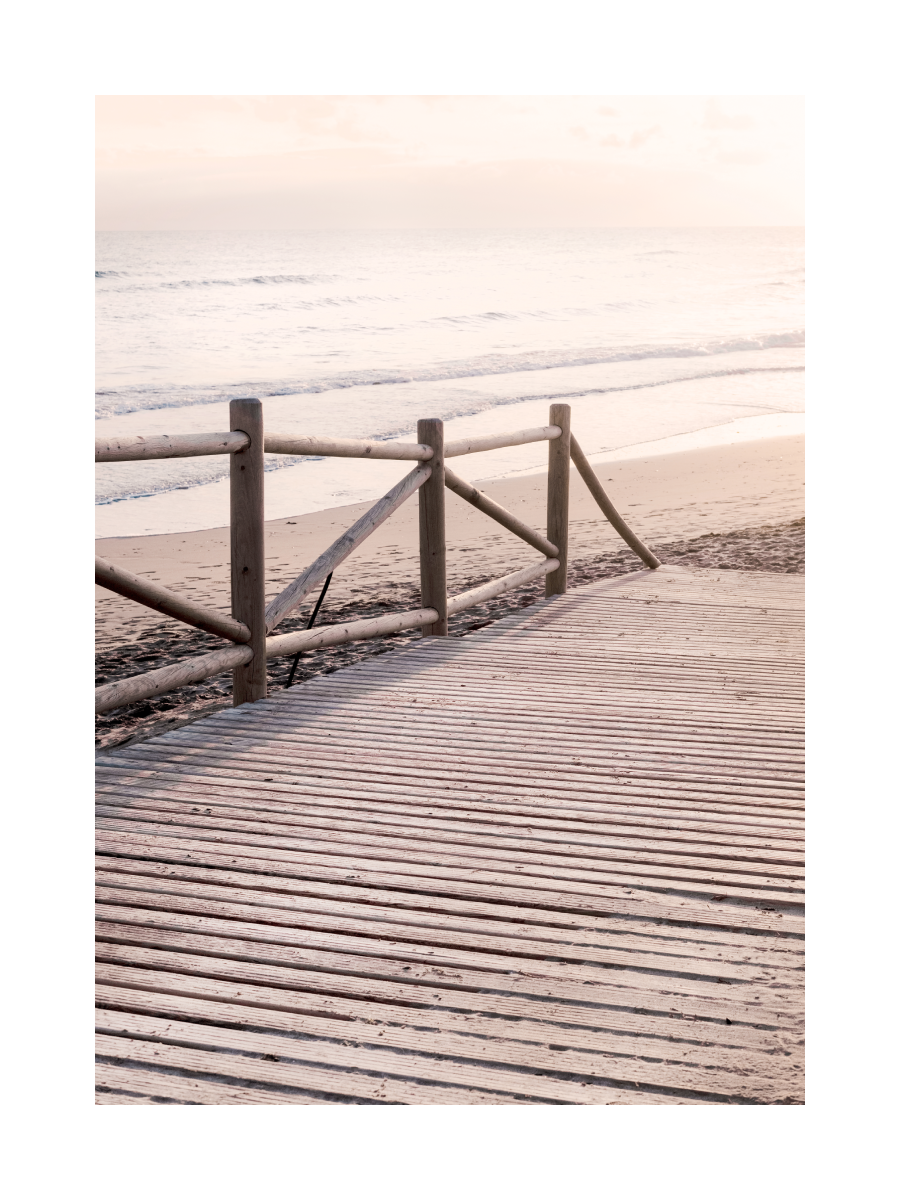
<point x="640" y="136"/>
<point x="716" y="119"/>
<point x="737" y="158"/>
<point x="270" y="161"/>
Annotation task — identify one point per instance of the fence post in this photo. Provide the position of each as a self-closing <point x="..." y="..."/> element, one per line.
<point x="248" y="596"/>
<point x="558" y="470"/>
<point x="432" y="532"/>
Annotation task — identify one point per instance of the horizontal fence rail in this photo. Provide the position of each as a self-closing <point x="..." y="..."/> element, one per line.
<point x="179" y="445"/>
<point x="251" y="624"/>
<point x="497" y="441"/>
<point x="280" y="443"/>
<point x="191" y="445"/>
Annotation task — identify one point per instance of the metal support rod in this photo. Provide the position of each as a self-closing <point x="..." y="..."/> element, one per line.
<point x="309" y="625"/>
<point x="558" y="471"/>
<point x="248" y="599"/>
<point x="432" y="532"/>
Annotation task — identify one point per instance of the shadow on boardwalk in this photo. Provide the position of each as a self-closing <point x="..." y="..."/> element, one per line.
<point x="557" y="861"/>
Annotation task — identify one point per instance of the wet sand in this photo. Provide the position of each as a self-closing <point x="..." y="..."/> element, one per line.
<point x="732" y="507"/>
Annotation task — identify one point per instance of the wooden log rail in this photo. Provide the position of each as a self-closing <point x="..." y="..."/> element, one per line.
<point x="194" y="670"/>
<point x="252" y="623"/>
<point x="295" y="593"/>
<point x="154" y="595"/>
<point x="192" y="445"/>
<point x="589" y="475"/>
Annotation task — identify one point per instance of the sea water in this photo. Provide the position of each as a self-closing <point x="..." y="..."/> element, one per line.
<point x="658" y="338"/>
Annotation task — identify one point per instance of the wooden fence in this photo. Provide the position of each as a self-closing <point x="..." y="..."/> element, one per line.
<point x="251" y="627"/>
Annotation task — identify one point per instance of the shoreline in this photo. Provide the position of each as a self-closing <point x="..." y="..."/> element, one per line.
<point x="730" y="506"/>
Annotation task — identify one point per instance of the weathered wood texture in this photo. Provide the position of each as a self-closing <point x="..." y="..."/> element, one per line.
<point x="193" y="670"/>
<point x="162" y="600"/>
<point x="315" y="574"/>
<point x="349" y="631"/>
<point x="558" y="472"/>
<point x="595" y="487"/>
<point x="285" y="443"/>
<point x="167" y="679"/>
<point x="496" y="587"/>
<point x="496" y="441"/>
<point x="248" y="551"/>
<point x="498" y="513"/>
<point x="165" y="445"/>
<point x="557" y="861"/>
<point x="433" y="530"/>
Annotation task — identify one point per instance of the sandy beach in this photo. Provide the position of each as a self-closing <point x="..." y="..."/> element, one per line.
<point x="665" y="498"/>
<point x="734" y="506"/>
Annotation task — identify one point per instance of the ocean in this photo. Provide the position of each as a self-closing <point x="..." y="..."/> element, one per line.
<point x="658" y="338"/>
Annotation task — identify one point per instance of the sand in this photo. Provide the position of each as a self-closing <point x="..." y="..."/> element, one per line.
<point x="665" y="498"/>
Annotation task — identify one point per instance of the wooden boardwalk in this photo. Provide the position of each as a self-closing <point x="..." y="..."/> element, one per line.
<point x="557" y="861"/>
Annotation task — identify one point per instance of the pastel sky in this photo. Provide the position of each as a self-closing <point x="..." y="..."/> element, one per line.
<point x="395" y="162"/>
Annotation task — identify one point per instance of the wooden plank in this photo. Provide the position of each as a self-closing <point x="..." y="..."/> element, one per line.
<point x="316" y="937"/>
<point x="681" y="808"/>
<point x="558" y="472"/>
<point x="512" y="1080"/>
<point x="329" y="560"/>
<point x="151" y="1087"/>
<point x="286" y="443"/>
<point x="369" y="962"/>
<point x="301" y="1078"/>
<point x="657" y="779"/>
<point x="331" y="733"/>
<point x="471" y="739"/>
<point x="622" y="724"/>
<point x="161" y="599"/>
<point x="289" y="871"/>
<point x="248" y="561"/>
<point x="430" y="1005"/>
<point x="656" y="933"/>
<point x="443" y="1056"/>
<point x="670" y="947"/>
<point x="671" y="752"/>
<point x="617" y="834"/>
<point x="164" y="445"/>
<point x="579" y="958"/>
<point x="505" y="887"/>
<point x="340" y="1016"/>
<point x="682" y="762"/>
<point x="468" y="856"/>
<point x="595" y="830"/>
<point x="642" y="853"/>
